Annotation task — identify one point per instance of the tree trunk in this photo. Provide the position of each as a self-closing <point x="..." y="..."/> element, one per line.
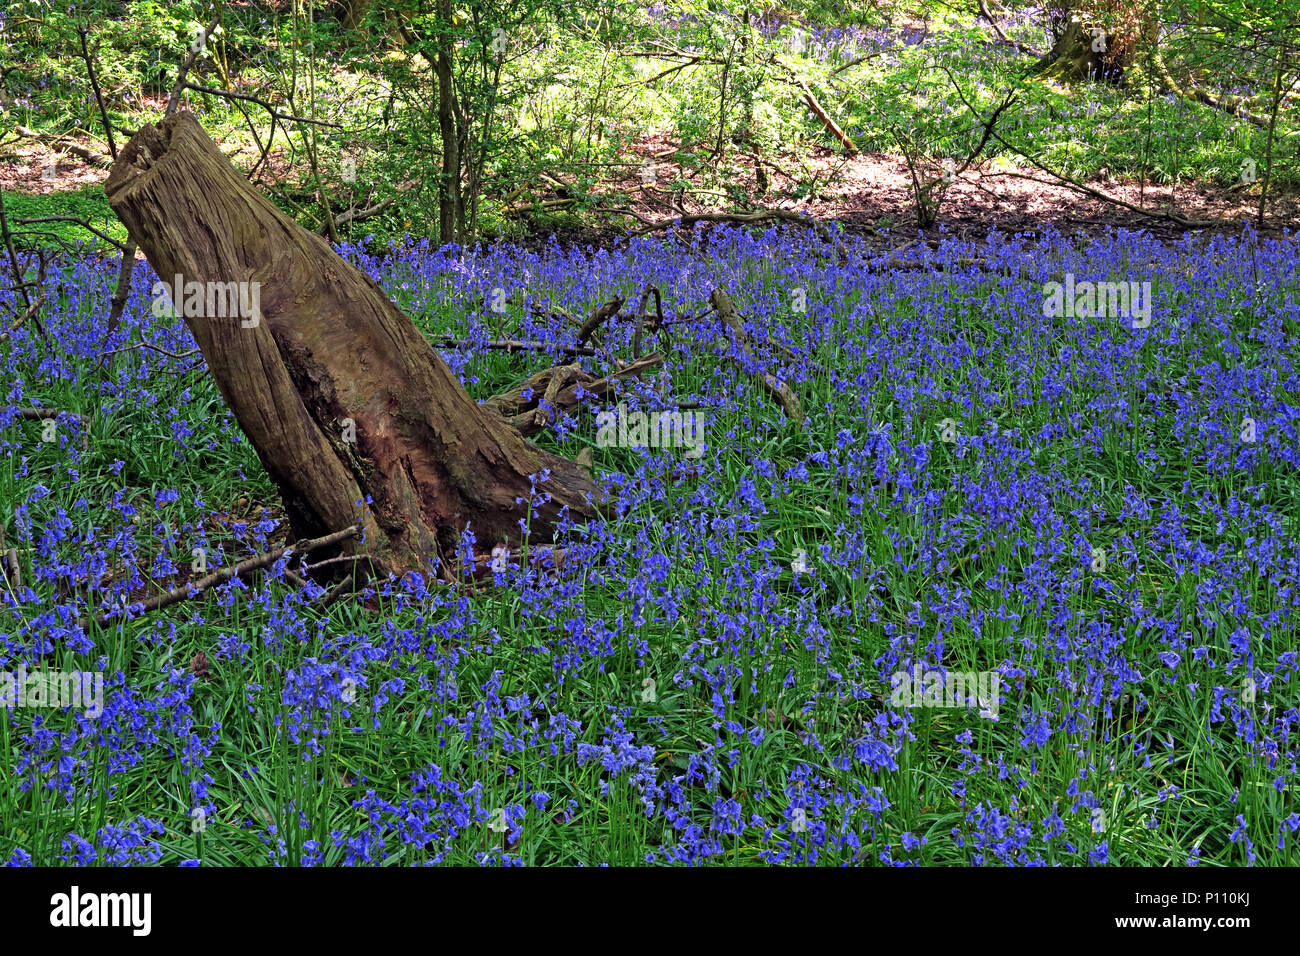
<point x="1079" y="52"/>
<point x="1074" y="58"/>
<point x="352" y="13"/>
<point x="450" y="213"/>
<point x="326" y="346"/>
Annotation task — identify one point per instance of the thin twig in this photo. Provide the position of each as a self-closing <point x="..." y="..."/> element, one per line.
<point x="341" y="559"/>
<point x="199" y="45"/>
<point x="99" y="96"/>
<point x="146" y="345"/>
<point x="857" y="60"/>
<point x="249" y="98"/>
<point x="76" y="219"/>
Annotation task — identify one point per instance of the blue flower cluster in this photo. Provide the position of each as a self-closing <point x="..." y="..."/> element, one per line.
<point x="1069" y="503"/>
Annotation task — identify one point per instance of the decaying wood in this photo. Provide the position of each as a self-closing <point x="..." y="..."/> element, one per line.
<point x="98" y="160"/>
<point x="367" y="212"/>
<point x="557" y="389"/>
<point x="329" y="356"/>
<point x="597" y="318"/>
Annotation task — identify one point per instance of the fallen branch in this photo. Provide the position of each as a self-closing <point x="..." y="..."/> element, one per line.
<point x="779" y="390"/>
<point x="558" y="390"/>
<point x="666" y="52"/>
<point x="811" y="101"/>
<point x="857" y="60"/>
<point x="295" y="579"/>
<point x="545" y="205"/>
<point x="98" y="160"/>
<point x="27" y="313"/>
<point x="193" y="589"/>
<point x="336" y="592"/>
<point x="555" y="312"/>
<point x="1006" y="40"/>
<point x="341" y="559"/>
<point x="597" y="318"/>
<point x="1234" y="106"/>
<point x="359" y="215"/>
<point x="512" y="345"/>
<point x="659" y="76"/>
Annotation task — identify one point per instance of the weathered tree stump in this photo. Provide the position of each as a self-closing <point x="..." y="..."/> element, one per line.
<point x="329" y="358"/>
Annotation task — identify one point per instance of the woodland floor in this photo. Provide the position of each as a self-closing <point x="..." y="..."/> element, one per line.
<point x="863" y="193"/>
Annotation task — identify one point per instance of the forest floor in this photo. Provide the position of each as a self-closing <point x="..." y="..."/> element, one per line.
<point x="865" y="194"/>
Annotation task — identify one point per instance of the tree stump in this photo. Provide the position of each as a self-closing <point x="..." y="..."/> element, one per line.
<point x="340" y="394"/>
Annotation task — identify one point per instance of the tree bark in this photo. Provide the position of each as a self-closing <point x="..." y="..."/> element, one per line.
<point x="1073" y="57"/>
<point x="352" y="13"/>
<point x="450" y="213"/>
<point x="327" y="346"/>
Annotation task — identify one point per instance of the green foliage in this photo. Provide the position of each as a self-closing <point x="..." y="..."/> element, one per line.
<point x="88" y="204"/>
<point x="559" y="107"/>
